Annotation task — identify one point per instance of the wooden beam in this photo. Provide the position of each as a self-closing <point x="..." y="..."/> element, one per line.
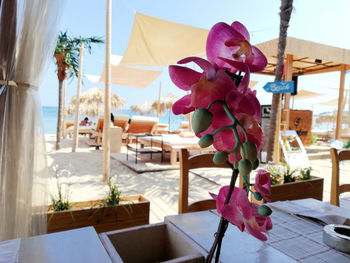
<point x="340" y="102"/>
<point x="324" y="70"/>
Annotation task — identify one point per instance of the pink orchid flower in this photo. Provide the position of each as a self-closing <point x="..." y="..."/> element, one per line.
<point x="212" y="84"/>
<point x="229" y="47"/>
<point x="263" y="184"/>
<point x="225" y="140"/>
<point x="240" y="212"/>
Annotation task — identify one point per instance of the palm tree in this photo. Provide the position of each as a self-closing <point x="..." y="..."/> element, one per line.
<point x="286" y="11"/>
<point x="67" y="57"/>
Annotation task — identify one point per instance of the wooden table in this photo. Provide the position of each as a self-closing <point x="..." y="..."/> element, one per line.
<point x="292" y="239"/>
<point x="78" y="246"/>
<point x="173" y="143"/>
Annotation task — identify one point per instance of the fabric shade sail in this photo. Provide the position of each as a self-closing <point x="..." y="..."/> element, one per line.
<point x="305" y="94"/>
<point x="157" y="42"/>
<point x="131" y="77"/>
<point x="333" y="102"/>
<point x="126" y="76"/>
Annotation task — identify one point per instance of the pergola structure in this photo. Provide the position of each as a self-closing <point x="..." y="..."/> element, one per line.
<point x="305" y="58"/>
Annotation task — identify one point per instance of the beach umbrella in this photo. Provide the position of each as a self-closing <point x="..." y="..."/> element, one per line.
<point x="92" y="99"/>
<point x="96" y="95"/>
<point x="164" y="104"/>
<point x="85" y="109"/>
<point x="144" y="107"/>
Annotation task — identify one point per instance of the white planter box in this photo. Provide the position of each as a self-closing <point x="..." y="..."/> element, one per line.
<point x="161" y="242"/>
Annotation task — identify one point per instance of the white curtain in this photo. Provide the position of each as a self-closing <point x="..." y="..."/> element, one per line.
<point x="28" y="33"/>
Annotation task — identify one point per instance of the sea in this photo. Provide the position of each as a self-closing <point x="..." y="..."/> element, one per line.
<point x="50" y="118"/>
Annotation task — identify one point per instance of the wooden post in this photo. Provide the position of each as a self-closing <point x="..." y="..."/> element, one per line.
<point x="64" y="129"/>
<point x="276" y="146"/>
<point x="107" y="125"/>
<point x="288" y="77"/>
<point x="159" y="94"/>
<point x="340" y="102"/>
<point x="76" y="118"/>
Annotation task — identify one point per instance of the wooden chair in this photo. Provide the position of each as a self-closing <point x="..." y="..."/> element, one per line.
<point x="336" y="187"/>
<point x="186" y="164"/>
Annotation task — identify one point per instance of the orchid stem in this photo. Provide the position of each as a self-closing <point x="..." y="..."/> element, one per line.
<point x="219" y="235"/>
<point x="213" y="102"/>
<point x="222" y="129"/>
<point x="234" y="119"/>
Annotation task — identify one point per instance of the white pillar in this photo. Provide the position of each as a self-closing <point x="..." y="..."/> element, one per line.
<point x="76" y="118"/>
<point x="106" y="126"/>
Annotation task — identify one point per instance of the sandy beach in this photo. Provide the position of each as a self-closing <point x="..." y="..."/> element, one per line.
<point x="85" y="178"/>
<point x="83" y="169"/>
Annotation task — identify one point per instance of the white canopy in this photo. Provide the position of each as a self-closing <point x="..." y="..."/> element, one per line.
<point x="126" y="76"/>
<point x="157" y="42"/>
<point x="131" y="77"/>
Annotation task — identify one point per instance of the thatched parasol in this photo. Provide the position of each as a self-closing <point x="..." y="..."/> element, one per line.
<point x="96" y="95"/>
<point x="165" y="103"/>
<point x="91" y="101"/>
<point x="144" y="107"/>
<point x="91" y="110"/>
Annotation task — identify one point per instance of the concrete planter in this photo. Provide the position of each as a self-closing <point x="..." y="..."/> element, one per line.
<point x="161" y="242"/>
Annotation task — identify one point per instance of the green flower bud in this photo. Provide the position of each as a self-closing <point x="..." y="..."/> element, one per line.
<point x="201" y="120"/>
<point x="220" y="157"/>
<point x="257" y="196"/>
<point x="245" y="167"/>
<point x="256" y="164"/>
<point x="250" y="150"/>
<point x="206" y="141"/>
<point x="264" y="210"/>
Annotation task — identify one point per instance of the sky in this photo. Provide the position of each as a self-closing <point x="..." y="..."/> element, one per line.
<point x="322" y="21"/>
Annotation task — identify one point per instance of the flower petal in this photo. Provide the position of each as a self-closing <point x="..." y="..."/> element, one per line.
<point x="205" y="65"/>
<point x="183" y="105"/>
<point x="240" y="28"/>
<point x="183" y="77"/>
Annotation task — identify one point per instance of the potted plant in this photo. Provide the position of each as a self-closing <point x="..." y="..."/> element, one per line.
<point x="289" y="184"/>
<point x="113" y="212"/>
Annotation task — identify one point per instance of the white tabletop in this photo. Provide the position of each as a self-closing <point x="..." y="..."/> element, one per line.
<point x="79" y="245"/>
<point x="292" y="239"/>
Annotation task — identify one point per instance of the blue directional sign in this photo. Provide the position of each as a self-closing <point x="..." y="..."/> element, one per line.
<point x="279" y="87"/>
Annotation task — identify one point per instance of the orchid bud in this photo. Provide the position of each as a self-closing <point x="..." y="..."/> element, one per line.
<point x="257" y="196"/>
<point x="220" y="157"/>
<point x="201" y="120"/>
<point x="256" y="164"/>
<point x="250" y="150"/>
<point x="245" y="167"/>
<point x="264" y="210"/>
<point x="206" y="141"/>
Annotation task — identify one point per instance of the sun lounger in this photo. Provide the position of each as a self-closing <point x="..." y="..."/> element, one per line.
<point x="162" y="128"/>
<point x="173" y="143"/>
<point x="96" y="136"/>
<point x="82" y="130"/>
<point x="121" y="121"/>
<point x="142" y="124"/>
